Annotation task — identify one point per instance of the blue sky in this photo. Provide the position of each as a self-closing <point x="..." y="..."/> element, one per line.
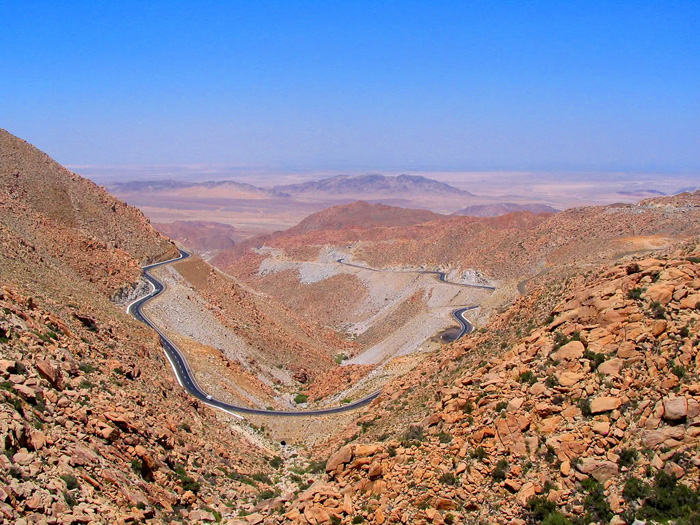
<point x="356" y="85"/>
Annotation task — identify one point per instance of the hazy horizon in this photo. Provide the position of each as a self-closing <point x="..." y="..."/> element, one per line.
<point x="357" y="86"/>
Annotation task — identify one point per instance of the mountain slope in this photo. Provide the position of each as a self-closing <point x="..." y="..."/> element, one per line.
<point x="31" y="179"/>
<point x="93" y="426"/>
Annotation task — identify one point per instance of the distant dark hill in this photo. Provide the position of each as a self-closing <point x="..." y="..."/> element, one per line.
<point x="361" y="215"/>
<point x="494" y="210"/>
<point x="373" y="184"/>
<point x="642" y="194"/>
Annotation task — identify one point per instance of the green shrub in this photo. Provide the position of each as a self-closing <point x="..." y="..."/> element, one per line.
<point x="358" y="519"/>
<point x="266" y="494"/>
<point x="635" y="489"/>
<point x="275" y="462"/>
<point x="628" y="457"/>
<point x="635" y="293"/>
<point x="633" y="268"/>
<point x="538" y="508"/>
<point x="669" y="500"/>
<point x="448" y="479"/>
<point x="413" y="433"/>
<point x="87" y="368"/>
<point x="70" y="499"/>
<point x="595" y="358"/>
<point x="301" y="398"/>
<point x="501" y="406"/>
<point x="560" y="340"/>
<point x="444" y="437"/>
<point x="527" y="377"/>
<point x="71" y="481"/>
<point x="596" y="506"/>
<point x="468" y="407"/>
<point x="478" y="453"/>
<point x="262" y="478"/>
<point x="556" y="518"/>
<point x="657" y="310"/>
<point x="190" y="484"/>
<point x="316" y="466"/>
<point x="501" y="470"/>
<point x="585" y="405"/>
<point x="679" y="371"/>
<point x="136" y="465"/>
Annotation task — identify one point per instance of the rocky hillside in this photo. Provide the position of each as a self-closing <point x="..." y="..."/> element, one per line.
<point x="93" y="426"/>
<point x="34" y="186"/>
<point x="512" y="246"/>
<point x="579" y="404"/>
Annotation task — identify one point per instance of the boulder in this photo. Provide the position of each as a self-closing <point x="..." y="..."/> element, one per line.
<point x="604" y="404"/>
<point x="569" y="352"/>
<point x="691" y="301"/>
<point x="341" y="457"/>
<point x="601" y="470"/>
<point x="611" y="367"/>
<point x="569" y="378"/>
<point x="662" y="293"/>
<point x="675" y="409"/>
<point x="49" y="372"/>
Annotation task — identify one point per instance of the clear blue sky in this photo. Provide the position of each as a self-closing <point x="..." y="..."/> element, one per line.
<point x="356" y="84"/>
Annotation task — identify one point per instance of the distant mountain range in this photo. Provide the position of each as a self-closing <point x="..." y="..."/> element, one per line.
<point x="494" y="210"/>
<point x="340" y="185"/>
<point x="207" y="188"/>
<point x="376" y="184"/>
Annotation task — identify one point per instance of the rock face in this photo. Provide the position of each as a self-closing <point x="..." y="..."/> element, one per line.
<point x="562" y="411"/>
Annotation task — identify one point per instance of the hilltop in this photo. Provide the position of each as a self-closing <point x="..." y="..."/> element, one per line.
<point x="362" y="215"/>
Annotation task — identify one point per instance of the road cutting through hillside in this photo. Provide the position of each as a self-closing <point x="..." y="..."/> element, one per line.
<point x="442" y="276"/>
<point x="185" y="376"/>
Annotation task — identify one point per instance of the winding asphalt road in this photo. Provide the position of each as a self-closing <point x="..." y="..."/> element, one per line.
<point x="186" y="378"/>
<point x="458" y="314"/>
<point x="442" y="276"/>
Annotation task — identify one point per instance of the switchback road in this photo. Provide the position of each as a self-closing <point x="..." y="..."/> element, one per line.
<point x="186" y="378"/>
